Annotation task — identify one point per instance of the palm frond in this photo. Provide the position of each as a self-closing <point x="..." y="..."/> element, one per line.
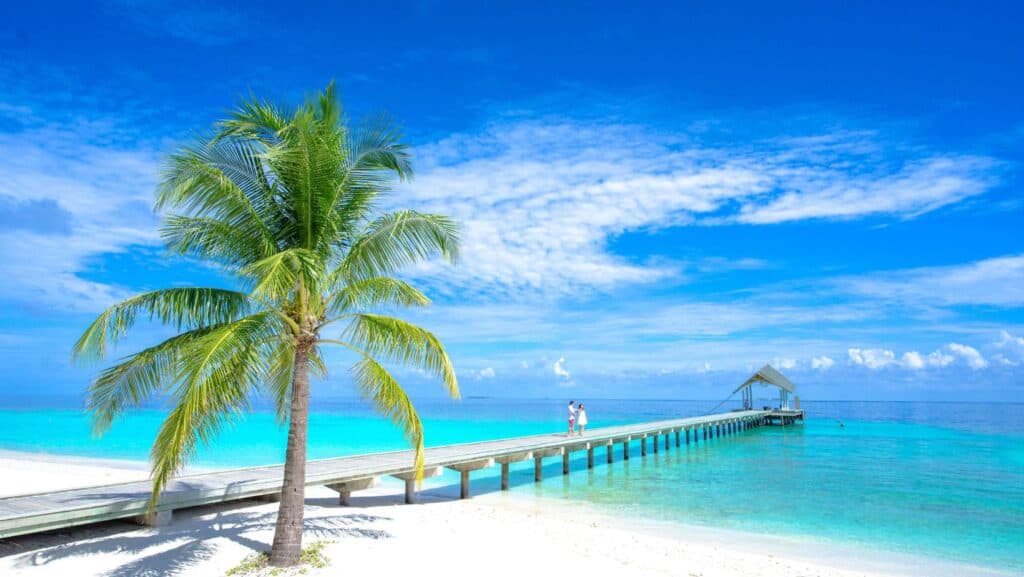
<point x="137" y="378"/>
<point x="182" y="308"/>
<point x="222" y="181"/>
<point x="377" y="385"/>
<point x="278" y="382"/>
<point x="399" y="341"/>
<point x="216" y="240"/>
<point x="215" y="378"/>
<point x="367" y="294"/>
<point x="399" y="239"/>
<point x="377" y="148"/>
<point x="260" y="120"/>
<point x="276" y="277"/>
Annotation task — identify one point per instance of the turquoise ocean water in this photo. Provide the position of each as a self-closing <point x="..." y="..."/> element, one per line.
<point x="943" y="480"/>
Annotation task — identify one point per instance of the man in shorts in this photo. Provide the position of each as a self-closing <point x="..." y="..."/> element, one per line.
<point x="572" y="419"/>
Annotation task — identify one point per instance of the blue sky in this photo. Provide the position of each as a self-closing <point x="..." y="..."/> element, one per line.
<point x="656" y="199"/>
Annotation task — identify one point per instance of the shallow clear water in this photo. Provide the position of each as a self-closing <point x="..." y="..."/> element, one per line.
<point x="938" y="479"/>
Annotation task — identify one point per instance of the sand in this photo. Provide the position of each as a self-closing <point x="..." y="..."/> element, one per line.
<point x="492" y="534"/>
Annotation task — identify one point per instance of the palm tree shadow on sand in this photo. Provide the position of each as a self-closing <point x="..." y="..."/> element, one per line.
<point x="190" y="540"/>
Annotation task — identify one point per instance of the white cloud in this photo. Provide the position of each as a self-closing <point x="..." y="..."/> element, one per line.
<point x="540" y="199"/>
<point x="969" y="354"/>
<point x="524" y="364"/>
<point x="994" y="281"/>
<point x="1010" y="349"/>
<point x="785" y="363"/>
<point x="939" y="359"/>
<point x="920" y="186"/>
<point x="871" y="358"/>
<point x="822" y="363"/>
<point x="102" y="194"/>
<point x="1007" y="340"/>
<point x="486" y="373"/>
<point x="560" y="369"/>
<point x="913" y="360"/>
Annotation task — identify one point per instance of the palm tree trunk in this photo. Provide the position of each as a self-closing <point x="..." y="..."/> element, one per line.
<point x="288" y="536"/>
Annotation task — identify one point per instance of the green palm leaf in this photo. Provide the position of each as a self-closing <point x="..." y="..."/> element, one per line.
<point x="376" y="292"/>
<point x="182" y="308"/>
<point x="402" y="342"/>
<point x="399" y="239"/>
<point x="215" y="376"/>
<point x="376" y="384"/>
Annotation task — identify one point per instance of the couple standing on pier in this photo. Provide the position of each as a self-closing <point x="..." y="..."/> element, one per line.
<point x="577" y="416"/>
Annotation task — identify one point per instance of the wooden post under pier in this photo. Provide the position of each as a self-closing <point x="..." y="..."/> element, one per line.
<point x="464" y="469"/>
<point x="410" y="481"/>
<point x="505" y="460"/>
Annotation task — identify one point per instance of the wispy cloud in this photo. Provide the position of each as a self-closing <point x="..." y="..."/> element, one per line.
<point x="994" y="281"/>
<point x="1009" y="349"/>
<point x="540" y="199"/>
<point x="87" y="197"/>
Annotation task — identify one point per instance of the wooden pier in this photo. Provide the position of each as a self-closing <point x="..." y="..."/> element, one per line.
<point x="61" y="509"/>
<point x="783" y="417"/>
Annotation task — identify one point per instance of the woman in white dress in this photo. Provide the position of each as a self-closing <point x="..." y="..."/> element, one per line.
<point x="581" y="418"/>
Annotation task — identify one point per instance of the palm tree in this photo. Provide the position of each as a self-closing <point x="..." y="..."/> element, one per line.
<point x="286" y="204"/>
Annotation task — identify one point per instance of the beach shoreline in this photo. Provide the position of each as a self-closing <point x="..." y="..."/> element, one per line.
<point x="485" y="525"/>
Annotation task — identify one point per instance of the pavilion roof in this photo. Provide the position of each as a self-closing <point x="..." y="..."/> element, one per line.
<point x="768" y="375"/>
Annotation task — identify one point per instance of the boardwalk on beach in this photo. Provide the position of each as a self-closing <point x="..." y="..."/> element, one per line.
<point x="61" y="509"/>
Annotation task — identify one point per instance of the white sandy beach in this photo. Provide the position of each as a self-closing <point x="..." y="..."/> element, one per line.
<point x="491" y="534"/>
